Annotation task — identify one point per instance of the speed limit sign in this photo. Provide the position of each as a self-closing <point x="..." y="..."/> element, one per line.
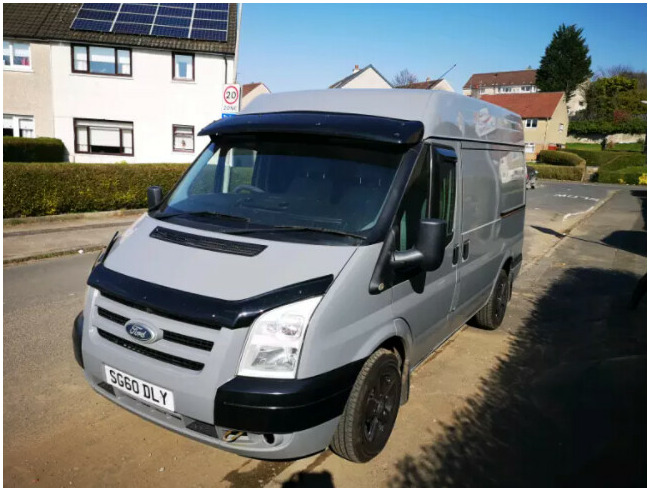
<point x="231" y="96"/>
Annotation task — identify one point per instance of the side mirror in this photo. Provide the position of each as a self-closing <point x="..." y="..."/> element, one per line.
<point x="429" y="249"/>
<point x="154" y="196"/>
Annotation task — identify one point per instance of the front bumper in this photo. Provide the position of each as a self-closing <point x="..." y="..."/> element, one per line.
<point x="280" y="419"/>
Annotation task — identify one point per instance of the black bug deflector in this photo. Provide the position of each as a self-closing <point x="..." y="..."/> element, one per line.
<point x="372" y="128"/>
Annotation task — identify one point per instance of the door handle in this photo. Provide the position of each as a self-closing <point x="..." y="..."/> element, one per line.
<point x="455" y="254"/>
<point x="465" y="249"/>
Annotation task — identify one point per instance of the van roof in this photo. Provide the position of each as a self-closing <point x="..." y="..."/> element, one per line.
<point x="443" y="114"/>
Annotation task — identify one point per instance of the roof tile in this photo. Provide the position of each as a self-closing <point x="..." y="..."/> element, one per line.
<point x="52" y="21"/>
<point x="503" y="78"/>
<point x="540" y="104"/>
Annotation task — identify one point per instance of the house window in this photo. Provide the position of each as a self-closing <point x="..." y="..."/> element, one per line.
<point x="561" y="128"/>
<point x="526" y="88"/>
<point x="101" y="61"/>
<point x="16" y="55"/>
<point x="531" y="123"/>
<point x="505" y="90"/>
<point x="530" y="148"/>
<point x="103" y="137"/>
<point x="183" y="138"/>
<point x="22" y="126"/>
<point x="182" y="66"/>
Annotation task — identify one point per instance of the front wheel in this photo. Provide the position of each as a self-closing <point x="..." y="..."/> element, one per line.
<point x="492" y="314"/>
<point x="371" y="410"/>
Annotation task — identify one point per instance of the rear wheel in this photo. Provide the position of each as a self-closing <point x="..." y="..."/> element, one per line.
<point x="371" y="410"/>
<point x="492" y="314"/>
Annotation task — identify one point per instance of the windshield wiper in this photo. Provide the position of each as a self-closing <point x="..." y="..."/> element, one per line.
<point x="204" y="213"/>
<point x="273" y="229"/>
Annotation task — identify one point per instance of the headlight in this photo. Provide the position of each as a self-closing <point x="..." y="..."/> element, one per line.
<point x="273" y="345"/>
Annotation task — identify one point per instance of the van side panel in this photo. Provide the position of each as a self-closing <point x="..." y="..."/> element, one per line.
<point x="493" y="183"/>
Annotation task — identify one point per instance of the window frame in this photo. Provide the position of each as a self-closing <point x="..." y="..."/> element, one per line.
<point x="530" y="145"/>
<point x="11" y="66"/>
<point x="115" y="50"/>
<point x="174" y="77"/>
<point x="533" y="123"/>
<point x="16" y="118"/>
<point x="75" y="122"/>
<point x="180" y="150"/>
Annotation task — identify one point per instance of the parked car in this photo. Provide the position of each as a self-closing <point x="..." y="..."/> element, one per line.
<point x="323" y="245"/>
<point x="531" y="177"/>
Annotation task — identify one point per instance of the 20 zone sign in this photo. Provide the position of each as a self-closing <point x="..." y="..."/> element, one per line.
<point x="231" y="98"/>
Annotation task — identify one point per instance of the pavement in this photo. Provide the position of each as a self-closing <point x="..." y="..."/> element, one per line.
<point x="554" y="397"/>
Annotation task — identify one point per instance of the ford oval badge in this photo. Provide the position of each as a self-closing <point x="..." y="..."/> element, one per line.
<point x="141" y="332"/>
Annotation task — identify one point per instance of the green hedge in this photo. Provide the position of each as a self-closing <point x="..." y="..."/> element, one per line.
<point x="32" y="149"/>
<point x="628" y="175"/>
<point x="632" y="126"/>
<point x="622" y="158"/>
<point x="562" y="158"/>
<point x="558" y="172"/>
<point x="37" y="189"/>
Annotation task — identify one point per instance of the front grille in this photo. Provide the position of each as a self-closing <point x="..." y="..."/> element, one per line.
<point x="207" y="243"/>
<point x="167" y="335"/>
<point x="189" y="341"/>
<point x="146" y="351"/>
<point x="114" y="317"/>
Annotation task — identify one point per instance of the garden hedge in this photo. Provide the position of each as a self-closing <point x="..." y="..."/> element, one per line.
<point x="623" y="158"/>
<point x="558" y="172"/>
<point x="32" y="149"/>
<point x="37" y="189"/>
<point x="628" y="175"/>
<point x="562" y="158"/>
<point x="632" y="126"/>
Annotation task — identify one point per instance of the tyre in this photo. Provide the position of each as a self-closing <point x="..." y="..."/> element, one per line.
<point x="492" y="314"/>
<point x="371" y="410"/>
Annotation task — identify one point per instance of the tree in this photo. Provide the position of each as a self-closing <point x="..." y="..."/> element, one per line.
<point x="404" y="78"/>
<point x="614" y="99"/>
<point x="566" y="62"/>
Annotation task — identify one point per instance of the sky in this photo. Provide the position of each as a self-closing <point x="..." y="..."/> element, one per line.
<point x="310" y="46"/>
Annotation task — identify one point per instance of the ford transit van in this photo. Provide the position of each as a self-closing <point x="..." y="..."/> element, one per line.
<point x="325" y="243"/>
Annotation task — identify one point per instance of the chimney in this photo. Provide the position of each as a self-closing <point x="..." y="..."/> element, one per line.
<point x="428" y="79"/>
<point x="356" y="69"/>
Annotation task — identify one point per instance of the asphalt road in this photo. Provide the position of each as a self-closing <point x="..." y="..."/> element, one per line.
<point x="58" y="432"/>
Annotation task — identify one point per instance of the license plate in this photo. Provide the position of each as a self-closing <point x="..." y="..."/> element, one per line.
<point x="145" y="391"/>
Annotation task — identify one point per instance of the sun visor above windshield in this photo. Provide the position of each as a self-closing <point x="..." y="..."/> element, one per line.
<point x="372" y="128"/>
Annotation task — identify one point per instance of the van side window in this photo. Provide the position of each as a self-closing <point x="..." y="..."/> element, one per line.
<point x="415" y="204"/>
<point x="443" y="189"/>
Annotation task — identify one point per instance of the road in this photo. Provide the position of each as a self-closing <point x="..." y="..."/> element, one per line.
<point x="58" y="432"/>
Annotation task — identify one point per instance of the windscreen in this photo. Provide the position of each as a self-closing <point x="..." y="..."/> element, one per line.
<point x="266" y="182"/>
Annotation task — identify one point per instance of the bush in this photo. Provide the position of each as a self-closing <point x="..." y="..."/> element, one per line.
<point x="561" y="158"/>
<point x="628" y="175"/>
<point x="558" y="172"/>
<point x="631" y="126"/>
<point x="32" y="149"/>
<point x="625" y="160"/>
<point x="37" y="189"/>
<point x="599" y="158"/>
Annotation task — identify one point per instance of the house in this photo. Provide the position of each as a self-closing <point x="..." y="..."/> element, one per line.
<point x="367" y="77"/>
<point x="115" y="82"/>
<point x="250" y="91"/>
<point x="515" y="82"/>
<point x="544" y="116"/>
<point x="428" y="84"/>
<point x="505" y="82"/>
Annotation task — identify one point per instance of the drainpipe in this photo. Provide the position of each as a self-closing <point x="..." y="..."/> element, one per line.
<point x="240" y="8"/>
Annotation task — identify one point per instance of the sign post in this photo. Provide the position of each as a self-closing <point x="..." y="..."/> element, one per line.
<point x="231" y="99"/>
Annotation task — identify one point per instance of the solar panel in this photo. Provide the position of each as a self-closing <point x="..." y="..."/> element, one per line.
<point x="200" y="21"/>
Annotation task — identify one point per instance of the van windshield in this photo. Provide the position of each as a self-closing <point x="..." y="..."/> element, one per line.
<point x="295" y="187"/>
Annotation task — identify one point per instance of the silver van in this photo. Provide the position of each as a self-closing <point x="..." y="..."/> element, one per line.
<point x="324" y="244"/>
